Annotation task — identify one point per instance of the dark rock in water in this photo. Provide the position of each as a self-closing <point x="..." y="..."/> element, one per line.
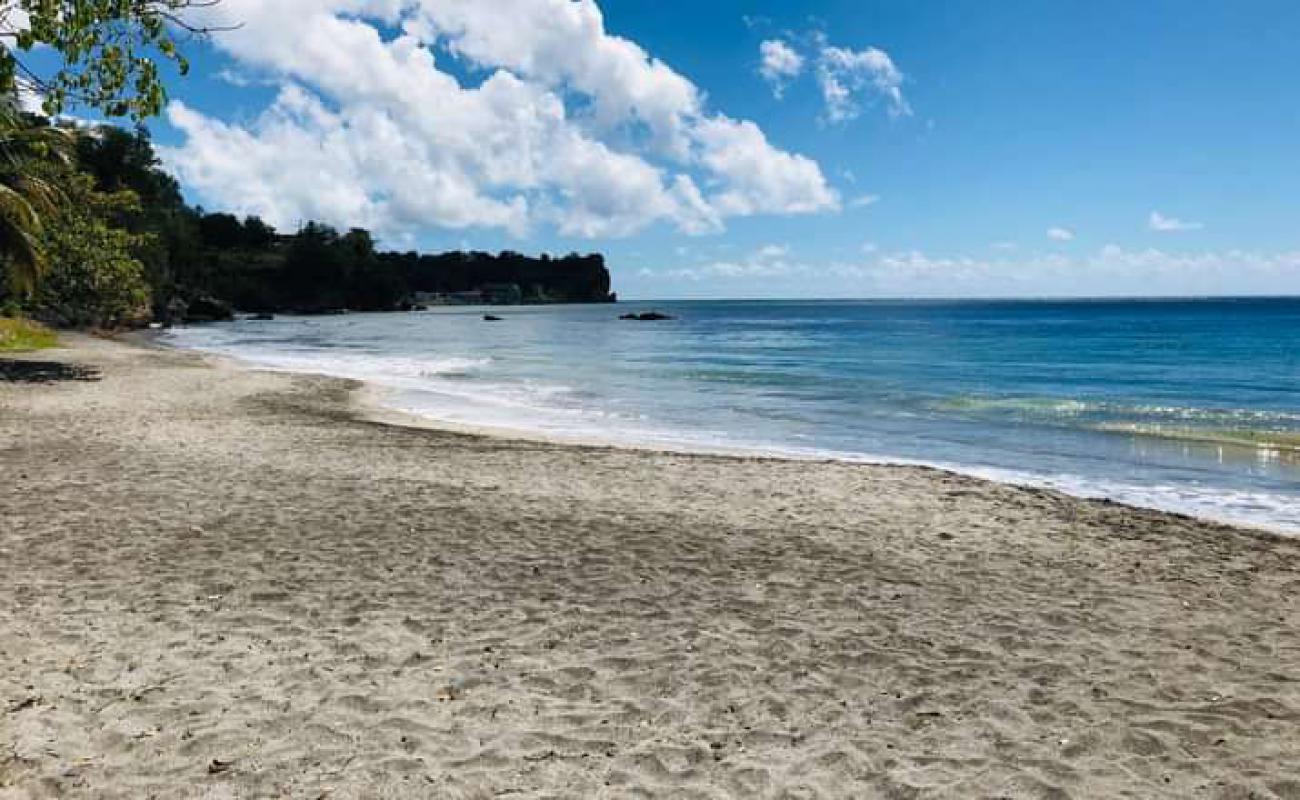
<point x="261" y="317"/>
<point x="490" y="318"/>
<point x="172" y="313"/>
<point x="205" y="308"/>
<point x="647" y="316"/>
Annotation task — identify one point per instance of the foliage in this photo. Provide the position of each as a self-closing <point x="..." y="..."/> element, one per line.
<point x="110" y="51"/>
<point x="23" y="334"/>
<point x="26" y="148"/>
<point x="94" y="278"/>
<point x="121" y="159"/>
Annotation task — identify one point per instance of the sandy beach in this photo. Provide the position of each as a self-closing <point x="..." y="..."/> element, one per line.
<point x="226" y="583"/>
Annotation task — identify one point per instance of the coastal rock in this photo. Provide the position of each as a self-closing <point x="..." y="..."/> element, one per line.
<point x="205" y="308"/>
<point x="173" y="312"/>
<point x="491" y="318"/>
<point x="647" y="316"/>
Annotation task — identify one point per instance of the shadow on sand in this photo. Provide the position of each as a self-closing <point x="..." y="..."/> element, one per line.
<point x="20" y="371"/>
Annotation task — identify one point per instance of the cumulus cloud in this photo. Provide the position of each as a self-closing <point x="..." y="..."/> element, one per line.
<point x="780" y="64"/>
<point x="1160" y="223"/>
<point x="864" y="200"/>
<point x="847" y="78"/>
<point x="843" y="74"/>
<point x="1059" y="234"/>
<point x="559" y="123"/>
<point x="754" y="177"/>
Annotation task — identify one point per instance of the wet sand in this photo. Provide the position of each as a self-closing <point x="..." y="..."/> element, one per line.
<point x="226" y="583"/>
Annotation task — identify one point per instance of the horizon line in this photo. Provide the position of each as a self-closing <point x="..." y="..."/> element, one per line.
<point x="976" y="298"/>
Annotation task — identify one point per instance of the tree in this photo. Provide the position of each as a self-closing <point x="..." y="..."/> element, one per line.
<point x="26" y="146"/>
<point x="125" y="159"/>
<point x="110" y="50"/>
<point x="222" y="231"/>
<point x="358" y="244"/>
<point x="257" y="234"/>
<point x="121" y="159"/>
<point x="94" y="278"/>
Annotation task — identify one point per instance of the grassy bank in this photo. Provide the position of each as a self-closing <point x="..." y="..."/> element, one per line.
<point x="22" y="334"/>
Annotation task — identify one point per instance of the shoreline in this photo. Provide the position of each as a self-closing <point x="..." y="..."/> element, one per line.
<point x="373" y="403"/>
<point x="229" y="582"/>
<point x="370" y="406"/>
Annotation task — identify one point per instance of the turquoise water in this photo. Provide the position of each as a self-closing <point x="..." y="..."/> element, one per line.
<point x="1190" y="406"/>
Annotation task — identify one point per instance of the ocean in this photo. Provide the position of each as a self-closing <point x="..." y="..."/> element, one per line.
<point x="1183" y="405"/>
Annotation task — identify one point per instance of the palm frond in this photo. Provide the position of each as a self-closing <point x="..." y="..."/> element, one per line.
<point x="20" y="246"/>
<point x="43" y="196"/>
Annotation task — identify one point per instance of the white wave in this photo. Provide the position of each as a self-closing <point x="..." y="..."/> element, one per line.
<point x="461" y="389"/>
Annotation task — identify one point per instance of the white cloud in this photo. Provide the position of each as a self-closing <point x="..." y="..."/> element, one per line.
<point x="768" y="262"/>
<point x="1059" y="234"/>
<point x="755" y="177"/>
<point x="780" y="64"/>
<point x="30" y="100"/>
<point x="864" y="200"/>
<point x="241" y="80"/>
<point x="1111" y="271"/>
<point x="1159" y="222"/>
<point x="843" y="74"/>
<point x="563" y="124"/>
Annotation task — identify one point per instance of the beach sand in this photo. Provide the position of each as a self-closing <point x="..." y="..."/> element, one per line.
<point x="226" y="583"/>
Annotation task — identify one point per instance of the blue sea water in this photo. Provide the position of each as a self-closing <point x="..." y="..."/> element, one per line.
<point x="1190" y="406"/>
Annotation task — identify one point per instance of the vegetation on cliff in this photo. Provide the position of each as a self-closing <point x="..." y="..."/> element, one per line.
<point x="115" y="244"/>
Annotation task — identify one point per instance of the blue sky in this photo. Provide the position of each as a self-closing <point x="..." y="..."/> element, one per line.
<point x="1159" y="142"/>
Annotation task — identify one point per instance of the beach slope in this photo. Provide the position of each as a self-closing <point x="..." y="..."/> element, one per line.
<point x="227" y="583"/>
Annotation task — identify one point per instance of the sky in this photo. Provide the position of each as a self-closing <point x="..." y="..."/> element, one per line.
<point x="834" y="148"/>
